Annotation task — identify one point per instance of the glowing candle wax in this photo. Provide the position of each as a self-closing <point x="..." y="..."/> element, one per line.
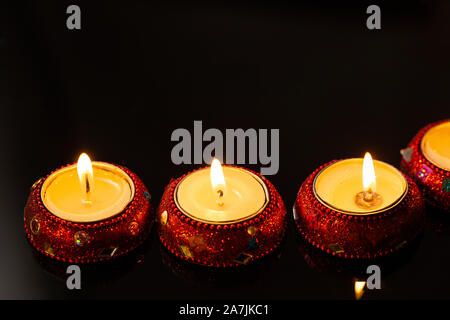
<point x="360" y="187"/>
<point x="221" y="195"/>
<point x="435" y="145"/>
<point x="87" y="192"/>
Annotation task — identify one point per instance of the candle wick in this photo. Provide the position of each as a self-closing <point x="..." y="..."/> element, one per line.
<point x="87" y="193"/>
<point x="368" y="199"/>
<point x="219" y="198"/>
<point x="368" y="195"/>
<point x="88" y="185"/>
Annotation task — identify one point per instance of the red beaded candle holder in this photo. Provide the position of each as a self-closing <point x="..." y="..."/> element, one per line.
<point x="88" y="242"/>
<point x="434" y="182"/>
<point x="221" y="245"/>
<point x="358" y="236"/>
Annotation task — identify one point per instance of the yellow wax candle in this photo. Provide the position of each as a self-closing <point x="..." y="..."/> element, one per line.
<point x="244" y="195"/>
<point x="435" y="145"/>
<point x="79" y="196"/>
<point x="337" y="185"/>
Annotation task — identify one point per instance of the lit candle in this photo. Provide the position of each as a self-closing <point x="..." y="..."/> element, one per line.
<point x="221" y="195"/>
<point x="87" y="192"/>
<point x="360" y="186"/>
<point x="221" y="216"/>
<point x="435" y="145"/>
<point x="88" y="212"/>
<point x="359" y="208"/>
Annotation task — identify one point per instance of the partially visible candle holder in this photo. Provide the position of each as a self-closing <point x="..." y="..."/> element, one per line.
<point x="426" y="161"/>
<point x="221" y="244"/>
<point x="89" y="241"/>
<point x="358" y="235"/>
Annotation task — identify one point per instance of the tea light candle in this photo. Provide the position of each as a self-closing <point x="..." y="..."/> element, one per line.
<point x="435" y="145"/>
<point x="341" y="186"/>
<point x="221" y="195"/>
<point x="87" y="192"/>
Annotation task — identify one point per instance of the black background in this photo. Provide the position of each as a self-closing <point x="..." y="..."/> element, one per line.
<point x="137" y="70"/>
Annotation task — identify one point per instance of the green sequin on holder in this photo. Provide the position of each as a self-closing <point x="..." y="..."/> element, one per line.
<point x="446" y="185"/>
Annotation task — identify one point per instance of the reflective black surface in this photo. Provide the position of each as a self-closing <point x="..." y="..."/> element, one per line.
<point x="137" y="71"/>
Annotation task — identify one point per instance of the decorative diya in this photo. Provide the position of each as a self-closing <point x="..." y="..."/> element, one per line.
<point x="221" y="216"/>
<point x="88" y="212"/>
<point x="357" y="208"/>
<point x="426" y="160"/>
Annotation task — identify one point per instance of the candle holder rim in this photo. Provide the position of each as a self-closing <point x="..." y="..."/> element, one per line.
<point x="228" y="222"/>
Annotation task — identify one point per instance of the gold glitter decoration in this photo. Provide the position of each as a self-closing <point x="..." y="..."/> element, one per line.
<point x="36" y="184"/>
<point x="108" y="252"/>
<point x="251" y="230"/>
<point x="243" y="258"/>
<point x="186" y="252"/>
<point x="336" y="248"/>
<point x="35" y="225"/>
<point x="164" y="217"/>
<point x="48" y="249"/>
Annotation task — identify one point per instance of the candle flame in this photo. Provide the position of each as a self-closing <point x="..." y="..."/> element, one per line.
<point x="369" y="179"/>
<point x="359" y="289"/>
<point x="217" y="178"/>
<point x="217" y="181"/>
<point x="86" y="176"/>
